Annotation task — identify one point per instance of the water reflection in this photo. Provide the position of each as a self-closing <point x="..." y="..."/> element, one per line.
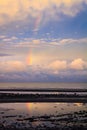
<point x="29" y="107"/>
<point x="79" y="104"/>
<point x="42" y="108"/>
<point x="36" y="113"/>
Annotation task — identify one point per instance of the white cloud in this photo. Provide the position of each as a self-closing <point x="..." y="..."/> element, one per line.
<point x="37" y="41"/>
<point x="73" y="41"/>
<point x="28" y="42"/>
<point x="13" y="43"/>
<point x="11" y="66"/>
<point x="6" y="39"/>
<point x="17" y="10"/>
<point x="57" y="65"/>
<point x="58" y="42"/>
<point x="52" y="67"/>
<point x="78" y="64"/>
<point x="2" y="36"/>
<point x="62" y="65"/>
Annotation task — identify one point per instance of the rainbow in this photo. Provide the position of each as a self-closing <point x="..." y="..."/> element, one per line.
<point x="29" y="58"/>
<point x="38" y="22"/>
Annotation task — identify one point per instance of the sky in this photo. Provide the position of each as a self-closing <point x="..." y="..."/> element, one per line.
<point x="43" y="40"/>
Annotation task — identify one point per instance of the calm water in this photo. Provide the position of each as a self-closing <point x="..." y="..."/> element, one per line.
<point x="43" y="85"/>
<point x="12" y="111"/>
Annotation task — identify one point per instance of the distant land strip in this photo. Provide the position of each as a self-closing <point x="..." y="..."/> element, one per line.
<point x="45" y="90"/>
<point x="24" y="100"/>
<point x="15" y="97"/>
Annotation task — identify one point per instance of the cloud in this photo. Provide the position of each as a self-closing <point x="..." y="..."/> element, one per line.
<point x="11" y="66"/>
<point x="57" y="42"/>
<point x="5" y="39"/>
<point x="78" y="64"/>
<point x="73" y="41"/>
<point x="59" y="70"/>
<point x="32" y="42"/>
<point x="2" y="55"/>
<point x="2" y="36"/>
<point x="20" y="10"/>
<point x="62" y="76"/>
<point x="61" y="65"/>
<point x="58" y="65"/>
<point x="37" y="41"/>
<point x="54" y="67"/>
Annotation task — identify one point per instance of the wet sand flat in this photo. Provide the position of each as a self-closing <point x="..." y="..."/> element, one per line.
<point x="11" y="119"/>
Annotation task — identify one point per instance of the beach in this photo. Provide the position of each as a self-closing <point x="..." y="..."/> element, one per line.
<point x="15" y="118"/>
<point x="43" y="108"/>
<point x="48" y="109"/>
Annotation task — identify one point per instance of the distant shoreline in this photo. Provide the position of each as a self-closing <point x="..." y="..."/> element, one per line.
<point x="47" y="90"/>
